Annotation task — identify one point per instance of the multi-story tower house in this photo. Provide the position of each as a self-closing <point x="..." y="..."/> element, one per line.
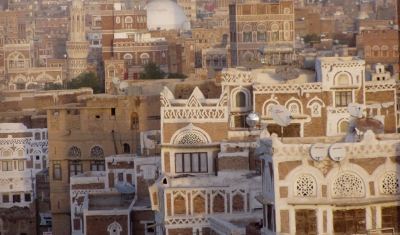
<point x="254" y="25"/>
<point x="23" y="153"/>
<point x="77" y="46"/>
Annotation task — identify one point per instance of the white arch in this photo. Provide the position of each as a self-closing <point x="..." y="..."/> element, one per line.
<point x="247" y="97"/>
<point x="190" y="129"/>
<point x="297" y="101"/>
<point x="114" y="228"/>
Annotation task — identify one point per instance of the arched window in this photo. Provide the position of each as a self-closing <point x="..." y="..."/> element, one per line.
<point x="127" y="148"/>
<point x="375" y="51"/>
<point x="294" y="108"/>
<point x="343" y="79"/>
<point x="145" y="58"/>
<point x="114" y="229"/>
<point x="134" y="121"/>
<point x="390" y="183"/>
<point x="247" y="31"/>
<point x="128" y="58"/>
<point x="97" y="151"/>
<point x="261" y="33"/>
<point x="367" y="51"/>
<point x="240" y="99"/>
<point x="385" y="51"/>
<point x="343" y="126"/>
<point x="275" y="32"/>
<point x="208" y="60"/>
<point x="348" y="184"/>
<point x="215" y="61"/>
<point x="128" y="19"/>
<point x="223" y="60"/>
<point x="305" y="186"/>
<point x="74" y="152"/>
<point x="111" y="71"/>
<point x="395" y="51"/>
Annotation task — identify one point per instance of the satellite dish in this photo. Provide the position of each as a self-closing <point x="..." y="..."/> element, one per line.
<point x="253" y="119"/>
<point x="281" y="115"/>
<point x="355" y="110"/>
<point x="124" y="187"/>
<point x="337" y="152"/>
<point x="116" y="80"/>
<point x="123" y="85"/>
<point x="318" y="151"/>
<point x="369" y="123"/>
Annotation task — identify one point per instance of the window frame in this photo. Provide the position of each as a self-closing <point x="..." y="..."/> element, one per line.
<point x="76" y="164"/>
<point x="340" y="95"/>
<point x="199" y="161"/>
<point x="57" y="170"/>
<point x="98" y="164"/>
<point x="7" y="166"/>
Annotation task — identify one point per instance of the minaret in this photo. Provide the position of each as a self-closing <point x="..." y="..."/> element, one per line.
<point x="77" y="46"/>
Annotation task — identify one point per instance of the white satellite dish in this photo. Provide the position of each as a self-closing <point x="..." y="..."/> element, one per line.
<point x="356" y="110"/>
<point x="124" y="187"/>
<point x="318" y="151"/>
<point x="116" y="80"/>
<point x="337" y="152"/>
<point x="253" y="119"/>
<point x="281" y="116"/>
<point x="123" y="85"/>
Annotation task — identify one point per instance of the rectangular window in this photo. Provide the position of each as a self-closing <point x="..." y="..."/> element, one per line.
<point x="21" y="165"/>
<point x="112" y="111"/>
<point x="191" y="163"/>
<point x="7" y="166"/>
<point x="27" y="197"/>
<point x="16" y="198"/>
<point x="261" y="36"/>
<point x="97" y="166"/>
<point x="247" y="37"/>
<point x="75" y="168"/>
<point x="57" y="170"/>
<point x="391" y="218"/>
<point x="349" y="221"/>
<point x="343" y="98"/>
<point x="306" y="222"/>
<point x="120" y="176"/>
<point x="6" y="198"/>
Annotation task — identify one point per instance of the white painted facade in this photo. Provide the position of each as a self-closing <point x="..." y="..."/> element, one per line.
<point x="23" y="153"/>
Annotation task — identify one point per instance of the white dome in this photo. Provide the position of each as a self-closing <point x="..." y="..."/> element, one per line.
<point x="166" y="14"/>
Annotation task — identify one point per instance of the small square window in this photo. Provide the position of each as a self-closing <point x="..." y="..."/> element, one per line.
<point x="37" y="157"/>
<point x="97" y="116"/>
<point x="16" y="198"/>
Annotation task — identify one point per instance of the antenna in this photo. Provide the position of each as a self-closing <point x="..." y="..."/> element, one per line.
<point x="355" y="110"/>
<point x="337" y="152"/>
<point x="318" y="151"/>
<point x="123" y="86"/>
<point x="253" y="119"/>
<point x="125" y="188"/>
<point x="281" y="116"/>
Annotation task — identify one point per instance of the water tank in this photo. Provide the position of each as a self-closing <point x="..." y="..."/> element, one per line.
<point x="276" y="49"/>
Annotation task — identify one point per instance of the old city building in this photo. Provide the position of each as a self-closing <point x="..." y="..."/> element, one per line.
<point x="212" y="174"/>
<point x="255" y="25"/>
<point x="23" y="153"/>
<point x="82" y="134"/>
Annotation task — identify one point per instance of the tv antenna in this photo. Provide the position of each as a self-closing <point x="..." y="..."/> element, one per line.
<point x="125" y="188"/>
<point x="281" y="116"/>
<point x="318" y="151"/>
<point x="116" y="81"/>
<point x="123" y="86"/>
<point x="369" y="123"/>
<point x="337" y="152"/>
<point x="253" y="119"/>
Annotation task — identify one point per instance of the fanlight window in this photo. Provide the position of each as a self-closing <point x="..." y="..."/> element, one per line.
<point x="74" y="152"/>
<point x="97" y="151"/>
<point x="343" y="79"/>
<point x="348" y="184"/>
<point x="390" y="183"/>
<point x="191" y="138"/>
<point x="305" y="186"/>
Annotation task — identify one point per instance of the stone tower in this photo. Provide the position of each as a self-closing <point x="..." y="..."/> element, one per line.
<point x="77" y="46"/>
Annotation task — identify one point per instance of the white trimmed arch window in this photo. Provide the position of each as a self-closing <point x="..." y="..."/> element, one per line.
<point x="275" y="32"/>
<point x="114" y="228"/>
<point x="384" y="51"/>
<point x="375" y="51"/>
<point x="247" y="33"/>
<point x="343" y="126"/>
<point x="305" y="186"/>
<point x="348" y="184"/>
<point x="390" y="183"/>
<point x="144" y="57"/>
<point x="240" y="99"/>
